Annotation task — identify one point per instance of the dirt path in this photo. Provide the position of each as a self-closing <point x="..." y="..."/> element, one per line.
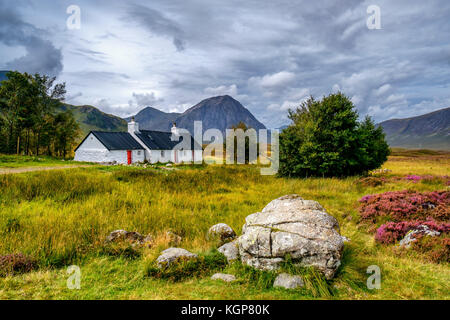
<point x="30" y="169"/>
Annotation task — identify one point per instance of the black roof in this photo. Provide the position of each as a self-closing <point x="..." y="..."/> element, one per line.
<point x="115" y="140"/>
<point x="159" y="140"/>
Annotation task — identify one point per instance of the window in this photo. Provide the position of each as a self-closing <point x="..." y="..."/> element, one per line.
<point x="185" y="152"/>
<point x="139" y="152"/>
<point x="162" y="153"/>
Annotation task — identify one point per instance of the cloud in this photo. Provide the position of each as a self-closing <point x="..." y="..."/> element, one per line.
<point x="222" y="90"/>
<point x="268" y="57"/>
<point x="41" y="55"/>
<point x="157" y="23"/>
<point x="275" y="80"/>
<point x="145" y="99"/>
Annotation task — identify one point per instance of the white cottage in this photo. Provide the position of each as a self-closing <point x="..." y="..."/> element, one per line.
<point x="137" y="146"/>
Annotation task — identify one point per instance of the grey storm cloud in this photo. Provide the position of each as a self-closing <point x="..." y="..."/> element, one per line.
<point x="157" y="23"/>
<point x="41" y="55"/>
<point x="269" y="55"/>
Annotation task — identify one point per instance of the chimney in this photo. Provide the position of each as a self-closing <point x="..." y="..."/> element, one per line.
<point x="133" y="126"/>
<point x="174" y="129"/>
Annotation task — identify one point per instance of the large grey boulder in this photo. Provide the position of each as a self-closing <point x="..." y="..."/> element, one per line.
<point x="287" y="281"/>
<point x="292" y="226"/>
<point x="230" y="250"/>
<point x="172" y="255"/>
<point x="221" y="231"/>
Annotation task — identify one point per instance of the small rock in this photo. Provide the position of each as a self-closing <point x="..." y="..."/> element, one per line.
<point x="411" y="236"/>
<point x="221" y="231"/>
<point x="132" y="236"/>
<point x="345" y="239"/>
<point x="171" y="255"/>
<point x="173" y="238"/>
<point x="230" y="250"/>
<point x="223" y="276"/>
<point x="288" y="281"/>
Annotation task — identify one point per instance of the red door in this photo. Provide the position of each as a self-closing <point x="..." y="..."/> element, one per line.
<point x="129" y="156"/>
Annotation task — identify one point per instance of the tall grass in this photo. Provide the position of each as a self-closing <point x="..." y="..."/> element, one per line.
<point x="62" y="217"/>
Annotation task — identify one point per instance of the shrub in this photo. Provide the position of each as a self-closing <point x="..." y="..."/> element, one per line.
<point x="371" y="181"/>
<point x="16" y="263"/>
<point x="326" y="139"/>
<point x="437" y="249"/>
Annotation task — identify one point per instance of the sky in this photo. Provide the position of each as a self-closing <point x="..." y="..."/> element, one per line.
<point x="269" y="55"/>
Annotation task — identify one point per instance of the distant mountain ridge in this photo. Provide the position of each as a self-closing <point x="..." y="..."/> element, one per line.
<point x="221" y="112"/>
<point x="428" y="131"/>
<point x="153" y="119"/>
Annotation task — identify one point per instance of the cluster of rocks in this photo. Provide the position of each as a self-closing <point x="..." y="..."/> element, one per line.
<point x="288" y="225"/>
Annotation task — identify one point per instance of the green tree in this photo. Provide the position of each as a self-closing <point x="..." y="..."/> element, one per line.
<point x="67" y="131"/>
<point x="326" y="139"/>
<point x="17" y="94"/>
<point x="30" y="115"/>
<point x="49" y="99"/>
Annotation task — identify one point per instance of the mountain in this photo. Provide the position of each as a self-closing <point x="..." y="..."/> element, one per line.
<point x="153" y="119"/>
<point x="220" y="112"/>
<point x="90" y="118"/>
<point x="428" y="131"/>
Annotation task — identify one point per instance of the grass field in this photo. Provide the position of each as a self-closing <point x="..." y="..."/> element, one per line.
<point x="61" y="218"/>
<point x="12" y="161"/>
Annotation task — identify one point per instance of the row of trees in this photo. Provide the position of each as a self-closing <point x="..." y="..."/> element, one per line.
<point x="31" y="119"/>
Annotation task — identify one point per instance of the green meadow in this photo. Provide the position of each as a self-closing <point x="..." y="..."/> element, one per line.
<point x="61" y="218"/>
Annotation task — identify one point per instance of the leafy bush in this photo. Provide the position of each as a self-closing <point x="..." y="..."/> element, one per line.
<point x="16" y="263"/>
<point x="326" y="139"/>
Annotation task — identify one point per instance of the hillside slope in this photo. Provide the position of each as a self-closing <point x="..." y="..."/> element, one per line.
<point x="430" y="131"/>
<point x="90" y="118"/>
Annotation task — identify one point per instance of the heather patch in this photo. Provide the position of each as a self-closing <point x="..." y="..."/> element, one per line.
<point x="392" y="232"/>
<point x="396" y="214"/>
<point x="428" y="178"/>
<point x="16" y="263"/>
<point x="405" y="205"/>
